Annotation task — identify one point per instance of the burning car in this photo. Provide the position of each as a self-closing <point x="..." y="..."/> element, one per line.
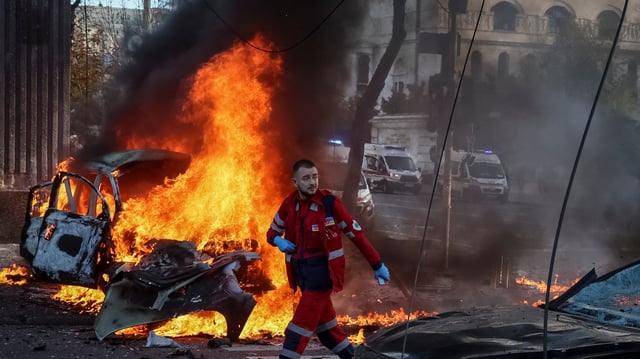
<point x="67" y="238"/>
<point x="598" y="317"/>
<point x="172" y="281"/>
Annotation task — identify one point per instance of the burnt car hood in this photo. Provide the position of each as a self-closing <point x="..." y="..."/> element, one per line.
<point x="151" y="164"/>
<point x="171" y="281"/>
<point x="131" y="158"/>
<point x="597" y="317"/>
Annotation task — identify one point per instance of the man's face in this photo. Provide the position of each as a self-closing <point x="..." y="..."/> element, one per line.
<point x="306" y="181"/>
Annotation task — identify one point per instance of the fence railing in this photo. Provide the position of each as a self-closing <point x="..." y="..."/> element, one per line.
<point x="532" y="25"/>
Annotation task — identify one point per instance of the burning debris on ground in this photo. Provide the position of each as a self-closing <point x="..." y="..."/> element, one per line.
<point x="169" y="282"/>
<point x="200" y="117"/>
<point x="596" y="316"/>
<point x="215" y="110"/>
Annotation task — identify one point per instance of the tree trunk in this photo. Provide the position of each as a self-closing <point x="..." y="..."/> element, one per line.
<point x="367" y="102"/>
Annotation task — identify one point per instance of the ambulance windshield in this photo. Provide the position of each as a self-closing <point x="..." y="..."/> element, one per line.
<point x="486" y="170"/>
<point x="401" y="163"/>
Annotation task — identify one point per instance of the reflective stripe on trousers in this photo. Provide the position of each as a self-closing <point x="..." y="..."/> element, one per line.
<point x="315" y="313"/>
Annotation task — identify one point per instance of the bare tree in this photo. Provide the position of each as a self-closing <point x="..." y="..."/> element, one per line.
<point x="101" y="38"/>
<point x="367" y="102"/>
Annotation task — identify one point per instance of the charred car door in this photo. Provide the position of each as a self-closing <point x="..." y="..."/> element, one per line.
<point x="62" y="239"/>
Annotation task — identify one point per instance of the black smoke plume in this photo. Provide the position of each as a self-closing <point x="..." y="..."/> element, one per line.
<point x="146" y="92"/>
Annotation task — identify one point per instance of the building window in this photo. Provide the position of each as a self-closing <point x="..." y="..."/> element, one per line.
<point x="362" y="79"/>
<point x="608" y="24"/>
<point x="558" y="18"/>
<point x="504" y="16"/>
<point x="503" y="65"/>
<point x="476" y="65"/>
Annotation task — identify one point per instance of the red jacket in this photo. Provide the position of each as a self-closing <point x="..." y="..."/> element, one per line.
<point x="304" y="223"/>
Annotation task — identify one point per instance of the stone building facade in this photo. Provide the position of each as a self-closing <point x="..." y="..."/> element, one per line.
<point x="509" y="32"/>
<point x="34" y="90"/>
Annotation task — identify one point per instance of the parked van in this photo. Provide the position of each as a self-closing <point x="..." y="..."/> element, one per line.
<point x="390" y="167"/>
<point x="477" y="174"/>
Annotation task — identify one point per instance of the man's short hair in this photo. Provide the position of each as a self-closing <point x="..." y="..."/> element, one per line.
<point x="303" y="163"/>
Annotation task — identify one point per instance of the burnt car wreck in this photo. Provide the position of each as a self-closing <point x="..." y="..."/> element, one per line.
<point x="67" y="239"/>
<point x="598" y="317"/>
<point x="169" y="282"/>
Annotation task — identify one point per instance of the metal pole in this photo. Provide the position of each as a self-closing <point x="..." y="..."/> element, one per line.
<point x="447" y="189"/>
<point x="417" y="52"/>
<point x="448" y="66"/>
<point x="146" y="14"/>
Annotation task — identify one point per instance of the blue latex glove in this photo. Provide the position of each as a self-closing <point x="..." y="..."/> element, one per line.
<point x="382" y="274"/>
<point x="284" y="245"/>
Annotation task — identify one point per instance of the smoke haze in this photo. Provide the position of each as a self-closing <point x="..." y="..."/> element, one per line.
<point x="147" y="92"/>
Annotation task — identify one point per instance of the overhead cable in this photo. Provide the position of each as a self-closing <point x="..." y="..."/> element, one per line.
<point x="571" y="178"/>
<point x="272" y="51"/>
<point x="437" y="172"/>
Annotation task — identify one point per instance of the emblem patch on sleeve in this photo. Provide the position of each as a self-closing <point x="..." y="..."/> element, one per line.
<point x="356" y="225"/>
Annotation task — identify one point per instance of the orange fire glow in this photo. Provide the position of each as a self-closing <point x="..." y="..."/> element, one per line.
<point x="384" y="319"/>
<point x="541" y="286"/>
<point x="87" y="299"/>
<point x="626" y="300"/>
<point x="227" y="197"/>
<point x="379" y="319"/>
<point x="15" y="275"/>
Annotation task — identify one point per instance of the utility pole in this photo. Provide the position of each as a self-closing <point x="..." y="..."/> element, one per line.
<point x="146" y="15"/>
<point x="447" y="71"/>
<point x="441" y="95"/>
<point x="416" y="59"/>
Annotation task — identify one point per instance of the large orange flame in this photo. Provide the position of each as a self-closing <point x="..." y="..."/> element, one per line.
<point x="226" y="198"/>
<point x="229" y="193"/>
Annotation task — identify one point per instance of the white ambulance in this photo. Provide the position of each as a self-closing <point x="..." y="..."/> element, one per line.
<point x="477" y="174"/>
<point x="390" y="168"/>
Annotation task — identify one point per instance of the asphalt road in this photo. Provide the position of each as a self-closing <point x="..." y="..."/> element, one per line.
<point x="489" y="246"/>
<point x="34" y="326"/>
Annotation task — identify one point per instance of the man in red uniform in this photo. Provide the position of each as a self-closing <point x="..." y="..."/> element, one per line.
<point x="313" y="222"/>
